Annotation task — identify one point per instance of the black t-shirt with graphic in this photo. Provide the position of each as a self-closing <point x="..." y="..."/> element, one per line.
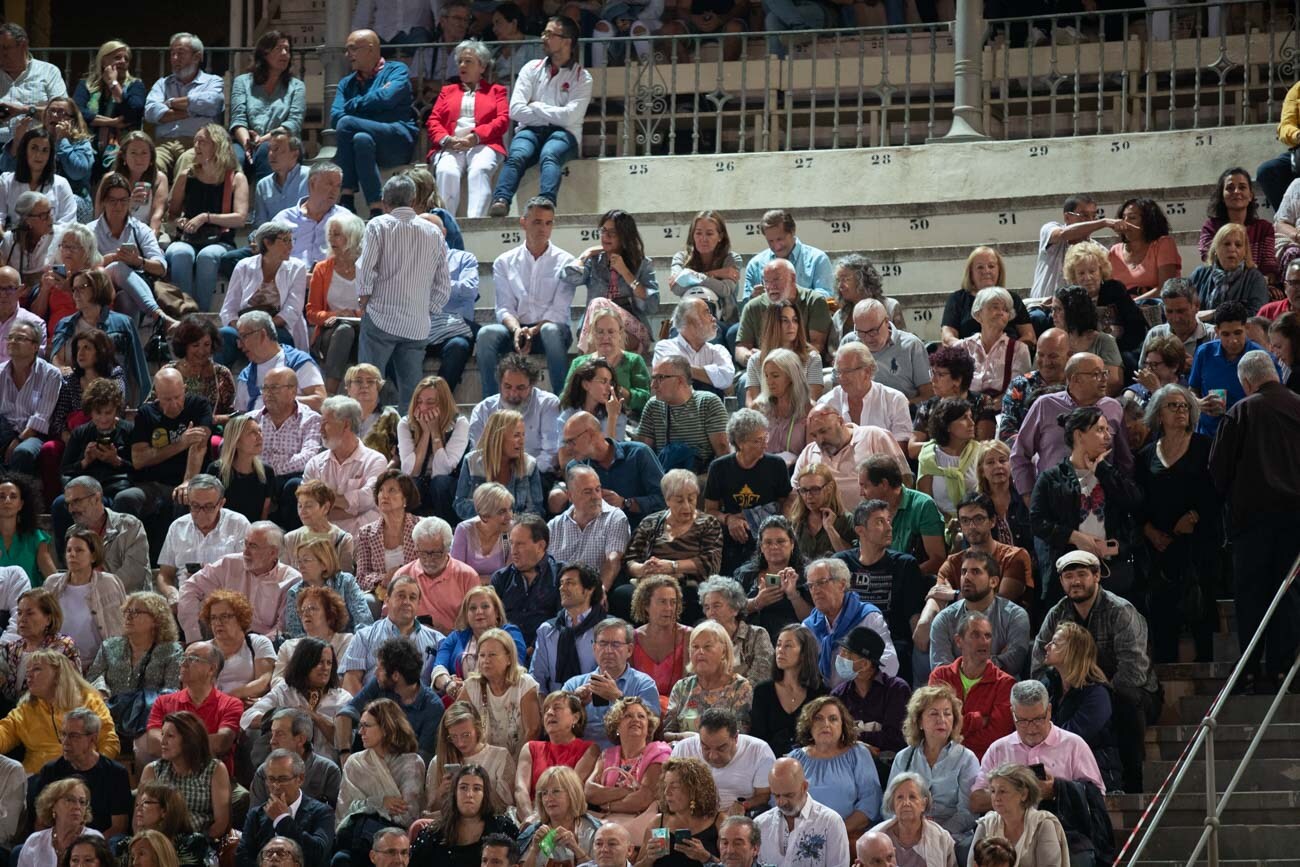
<point x="893" y="584"/>
<point x="155" y="429"/>
<point x="737" y="489"/>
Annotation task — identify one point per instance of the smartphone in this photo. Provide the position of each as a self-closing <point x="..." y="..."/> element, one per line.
<point x="1039" y="770"/>
<point x="1112" y="547"/>
<point x="681" y="835"/>
<point x="659" y="836"/>
<point x="450" y="770"/>
<point x="130" y="248"/>
<point x="104" y="439"/>
<point x="1221" y="392"/>
<point x="191" y="568"/>
<point x="143" y="185"/>
<point x="61" y="270"/>
<point x="773" y="580"/>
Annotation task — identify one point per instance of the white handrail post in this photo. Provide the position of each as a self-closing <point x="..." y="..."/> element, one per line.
<point x="968" y="84"/>
<point x="1211" y="796"/>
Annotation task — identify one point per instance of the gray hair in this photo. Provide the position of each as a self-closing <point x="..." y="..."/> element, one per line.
<point x="343" y="408"/>
<point x="678" y="364"/>
<point x="300" y="722"/>
<point x="270" y="231"/>
<point x="352" y="227"/>
<point x="1028" y="693"/>
<point x="1179" y="287"/>
<point x="295" y="143"/>
<point x="30" y="328"/>
<point x="491" y="494"/>
<point x="968" y="618"/>
<point x="17" y="33"/>
<point x="837" y="569"/>
<point x="675" y="482"/>
<point x="259" y="319"/>
<point x="779" y="265"/>
<point x="85" y="239"/>
<point x="858" y="350"/>
<point x="324" y="167"/>
<point x="196" y="44"/>
<point x="383" y="834"/>
<point x="874" y="305"/>
<point x="89" y="483"/>
<point x="476" y="47"/>
<point x="272" y="530"/>
<point x="1256" y="368"/>
<point x="29" y="200"/>
<point x="399" y="191"/>
<point x="578" y="469"/>
<point x="751" y="829"/>
<point x="907" y="777"/>
<point x="862" y="268"/>
<point x="206" y="482"/>
<point x="686" y="310"/>
<point x="744" y="423"/>
<point x="428" y="529"/>
<point x="539" y="202"/>
<point x="88" y="718"/>
<point x="1157" y="401"/>
<point x="732" y="593"/>
<point x="289" y="841"/>
<point x="992" y="294"/>
<point x="629" y="634"/>
<point x="295" y="760"/>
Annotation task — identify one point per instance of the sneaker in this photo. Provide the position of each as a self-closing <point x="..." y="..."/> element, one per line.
<point x="499" y="208"/>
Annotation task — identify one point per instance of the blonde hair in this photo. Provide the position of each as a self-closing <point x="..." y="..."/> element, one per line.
<point x="492" y="444"/>
<point x="70" y="688"/>
<point x="95" y="74"/>
<point x="164" y="624"/>
<point x="567" y="779"/>
<point x="697" y="779"/>
<point x="1021" y="779"/>
<point x="718" y="631"/>
<point x="601" y="313"/>
<point x="614" y="717"/>
<point x="798" y="511"/>
<point x="994" y="445"/>
<point x="489" y="494"/>
<point x="1225" y="231"/>
<point x="231" y="436"/>
<point x="920" y="702"/>
<point x="459" y="712"/>
<point x="223" y="155"/>
<point x="353" y="228"/>
<point x="795" y="369"/>
<point x="357" y="369"/>
<point x="322" y="549"/>
<point x="1076" y="253"/>
<point x="967" y="283"/>
<point x="513" y="670"/>
<point x="164" y="853"/>
<point x="55" y="792"/>
<point x="1080" y="667"/>
<point x="447" y="411"/>
<point x="462" y="616"/>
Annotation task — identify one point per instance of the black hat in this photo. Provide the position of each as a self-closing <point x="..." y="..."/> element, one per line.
<point x="864" y="642"/>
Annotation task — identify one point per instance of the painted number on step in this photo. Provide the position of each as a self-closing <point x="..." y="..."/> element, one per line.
<point x="891" y="270"/>
<point x="1038" y="150"/>
<point x="672" y="232"/>
<point x="724" y="166"/>
<point x="510" y="238"/>
<point x="638" y="169"/>
<point x="1202" y="141"/>
<point x="1007" y="218"/>
<point x="803" y="162"/>
<point x="841" y="227"/>
<point x="753" y="229"/>
<point x="589" y="234"/>
<point x="1176" y="208"/>
<point x="922" y="315"/>
<point x="918" y="224"/>
<point x="880" y="159"/>
<point x="1117" y="146"/>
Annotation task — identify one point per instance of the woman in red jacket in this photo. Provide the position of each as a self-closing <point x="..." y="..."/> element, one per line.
<point x="467" y="126"/>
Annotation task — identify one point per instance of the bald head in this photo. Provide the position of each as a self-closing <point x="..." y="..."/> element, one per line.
<point x="362" y="51"/>
<point x="788" y="785"/>
<point x="581" y="435"/>
<point x="612" y="845"/>
<point x="1053" y="350"/>
<point x="875" y="849"/>
<point x="279" y="392"/>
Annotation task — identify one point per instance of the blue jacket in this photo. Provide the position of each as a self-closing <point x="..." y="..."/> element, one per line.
<point x="850" y="616"/>
<point x="424" y="714"/>
<point x="453" y="647"/>
<point x="528" y="605"/>
<point x="386" y="98"/>
<point x="296" y="359"/>
<point x="122" y="331"/>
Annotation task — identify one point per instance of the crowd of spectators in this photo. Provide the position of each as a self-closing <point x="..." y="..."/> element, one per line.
<point x="774" y="583"/>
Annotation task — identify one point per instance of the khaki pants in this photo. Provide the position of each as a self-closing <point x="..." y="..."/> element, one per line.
<point x="174" y="155"/>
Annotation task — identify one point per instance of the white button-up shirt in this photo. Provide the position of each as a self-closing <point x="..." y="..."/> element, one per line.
<point x="37" y="84"/>
<point x="542" y="99"/>
<point x="882" y="406"/>
<point x="290" y="285"/>
<point x="352" y="480"/>
<point x="529" y="288"/>
<point x="714" y="358"/>
<point x="403" y="271"/>
<point x="818" y="838"/>
<point x="186" y="543"/>
<point x="310" y="237"/>
<point x="33" y="404"/>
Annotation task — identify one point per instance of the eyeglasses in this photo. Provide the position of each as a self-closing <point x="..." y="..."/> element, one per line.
<point x="66" y="735"/>
<point x="863" y="335"/>
<point x="221" y="618"/>
<point x="850" y="370"/>
<point x="193" y="658"/>
<point x="117" y="200"/>
<point x="1094" y="374"/>
<point x="1031" y="721"/>
<point x="1177" y="407"/>
<point x="244" y="335"/>
<point x="281" y="779"/>
<point x="18" y="338"/>
<point x="812" y="490"/>
<point x="432" y="555"/>
<point x="278" y="855"/>
<point x="135" y="612"/>
<point x="815" y="585"/>
<point x="660" y="377"/>
<point x="204" y="507"/>
<point x="610" y="645"/>
<point x="972" y="519"/>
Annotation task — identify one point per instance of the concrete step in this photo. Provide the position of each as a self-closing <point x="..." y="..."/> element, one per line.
<point x="1187" y="809"/>
<point x="1281" y="741"/>
<point x="1239" y="842"/>
<point x="1241" y="709"/>
<point x="867" y="227"/>
<point x="1263" y="774"/>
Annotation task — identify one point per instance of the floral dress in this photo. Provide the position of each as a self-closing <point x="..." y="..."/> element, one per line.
<point x="689" y="700"/>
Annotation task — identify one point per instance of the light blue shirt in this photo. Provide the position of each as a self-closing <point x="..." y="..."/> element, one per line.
<point x="848" y="783"/>
<point x="950" y="780"/>
<point x="363" y="652"/>
<point x="258" y="111"/>
<point x="310" y="238"/>
<point x="207" y="94"/>
<point x="541" y="414"/>
<point x="542" y="667"/>
<point x="462" y="265"/>
<point x="631" y="682"/>
<point x="812" y="269"/>
<point x="274" y="197"/>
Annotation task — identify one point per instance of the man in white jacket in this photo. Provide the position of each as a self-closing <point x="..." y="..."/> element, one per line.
<point x="548" y="104"/>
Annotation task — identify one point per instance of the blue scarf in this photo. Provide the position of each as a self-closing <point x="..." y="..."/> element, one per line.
<point x="295" y="359"/>
<point x="851" y="614"/>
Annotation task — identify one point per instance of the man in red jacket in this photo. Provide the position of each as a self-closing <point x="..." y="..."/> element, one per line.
<point x="985" y="689"/>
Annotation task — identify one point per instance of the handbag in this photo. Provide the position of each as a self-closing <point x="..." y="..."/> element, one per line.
<point x="130" y="709"/>
<point x="173" y="301"/>
<point x="675" y="456"/>
<point x="209" y="234"/>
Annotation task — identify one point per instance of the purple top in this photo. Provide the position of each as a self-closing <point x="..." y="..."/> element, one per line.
<point x="1041" y="436"/>
<point x="464" y="547"/>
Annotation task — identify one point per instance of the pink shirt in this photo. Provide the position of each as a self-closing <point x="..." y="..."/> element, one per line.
<point x="440" y="597"/>
<point x="1063" y="755"/>
<point x="864" y="441"/>
<point x="266" y="593"/>
<point x="1145" y="275"/>
<point x="991" y="370"/>
<point x="352" y="480"/>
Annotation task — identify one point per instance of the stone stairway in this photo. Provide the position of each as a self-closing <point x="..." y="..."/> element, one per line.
<point x="1261" y="825"/>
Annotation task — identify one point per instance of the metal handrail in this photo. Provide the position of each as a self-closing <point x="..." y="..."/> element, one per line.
<point x="1214" y="805"/>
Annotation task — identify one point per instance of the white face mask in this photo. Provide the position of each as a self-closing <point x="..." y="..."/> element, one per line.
<point x="844" y="668"/>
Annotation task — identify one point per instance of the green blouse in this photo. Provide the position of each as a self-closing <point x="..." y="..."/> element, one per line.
<point x="23" y="553"/>
<point x="631" y="374"/>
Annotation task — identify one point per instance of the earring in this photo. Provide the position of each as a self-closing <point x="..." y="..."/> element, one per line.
<point x="692" y="806"/>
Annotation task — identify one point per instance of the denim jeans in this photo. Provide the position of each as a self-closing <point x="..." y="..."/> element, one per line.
<point x="791" y="15"/>
<point x="1273" y="177"/>
<point x="366" y="146"/>
<point x="261" y="163"/>
<point x="454" y="355"/>
<point x="195" y="273"/>
<point x="548" y="146"/>
<point x="377" y="346"/>
<point x="137" y="297"/>
<point x="231" y="258"/>
<point x="23" y="459"/>
<point x="229" y="352"/>
<point x="495" y="340"/>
